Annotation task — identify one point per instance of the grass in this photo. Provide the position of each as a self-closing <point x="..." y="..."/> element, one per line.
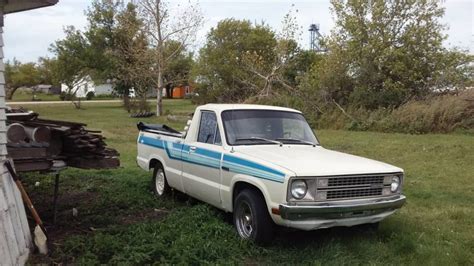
<point x="22" y="96"/>
<point x="120" y="221"/>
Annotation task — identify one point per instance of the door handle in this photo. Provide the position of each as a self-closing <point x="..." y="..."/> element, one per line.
<point x="192" y="149"/>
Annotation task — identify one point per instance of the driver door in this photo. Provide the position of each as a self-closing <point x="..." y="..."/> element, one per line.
<point x="202" y="161"/>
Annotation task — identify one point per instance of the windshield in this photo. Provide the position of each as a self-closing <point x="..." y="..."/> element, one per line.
<point x="251" y="127"/>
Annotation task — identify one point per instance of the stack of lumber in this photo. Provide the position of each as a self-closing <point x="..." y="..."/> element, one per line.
<point x="34" y="143"/>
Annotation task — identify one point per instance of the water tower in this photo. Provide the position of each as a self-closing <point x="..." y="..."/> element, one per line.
<point x="315" y="38"/>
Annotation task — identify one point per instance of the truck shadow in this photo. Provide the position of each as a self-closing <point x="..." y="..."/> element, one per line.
<point x="285" y="237"/>
<point x="291" y="238"/>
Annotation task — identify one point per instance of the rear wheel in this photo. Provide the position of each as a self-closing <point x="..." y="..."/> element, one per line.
<point x="251" y="217"/>
<point x="159" y="183"/>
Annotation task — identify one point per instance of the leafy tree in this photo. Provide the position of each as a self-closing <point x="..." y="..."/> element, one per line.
<point x="47" y="68"/>
<point x="134" y="63"/>
<point x="101" y="35"/>
<point x="20" y="75"/>
<point x="178" y="69"/>
<point x="382" y="53"/>
<point x="219" y="71"/>
<point x="72" y="58"/>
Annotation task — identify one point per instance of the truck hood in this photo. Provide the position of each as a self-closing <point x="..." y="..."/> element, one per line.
<point x="305" y="160"/>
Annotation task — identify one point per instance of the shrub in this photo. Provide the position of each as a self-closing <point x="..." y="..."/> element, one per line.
<point x="439" y="114"/>
<point x="66" y="96"/>
<point x="90" y="95"/>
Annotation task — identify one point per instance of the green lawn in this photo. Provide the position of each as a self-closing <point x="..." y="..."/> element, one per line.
<point x="21" y="96"/>
<point x="120" y="221"/>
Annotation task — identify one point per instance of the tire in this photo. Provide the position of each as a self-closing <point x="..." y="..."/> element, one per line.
<point x="159" y="183"/>
<point x="251" y="218"/>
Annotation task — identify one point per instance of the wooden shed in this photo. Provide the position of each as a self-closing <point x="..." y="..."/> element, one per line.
<point x="15" y="236"/>
<point x="180" y="92"/>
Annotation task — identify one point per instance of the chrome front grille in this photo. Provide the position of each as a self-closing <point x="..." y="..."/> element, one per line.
<point x="353" y="193"/>
<point x="354" y="181"/>
<point x="351" y="187"/>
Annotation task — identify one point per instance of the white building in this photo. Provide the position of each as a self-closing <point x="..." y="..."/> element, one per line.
<point x="86" y="85"/>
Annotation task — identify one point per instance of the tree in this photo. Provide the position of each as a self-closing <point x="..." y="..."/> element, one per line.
<point x="221" y="71"/>
<point x="382" y="53"/>
<point x="178" y="70"/>
<point x="273" y="72"/>
<point x="20" y="75"/>
<point x="101" y="36"/>
<point x="134" y="61"/>
<point x="47" y="69"/>
<point x="161" y="28"/>
<point x="72" y="57"/>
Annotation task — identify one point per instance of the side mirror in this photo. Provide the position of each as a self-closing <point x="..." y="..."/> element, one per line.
<point x="188" y="123"/>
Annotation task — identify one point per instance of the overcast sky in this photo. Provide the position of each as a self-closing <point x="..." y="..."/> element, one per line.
<point x="28" y="35"/>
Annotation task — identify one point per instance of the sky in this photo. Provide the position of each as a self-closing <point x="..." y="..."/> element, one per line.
<point x="28" y="35"/>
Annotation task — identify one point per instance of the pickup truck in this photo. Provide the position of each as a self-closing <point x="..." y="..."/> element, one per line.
<point x="265" y="165"/>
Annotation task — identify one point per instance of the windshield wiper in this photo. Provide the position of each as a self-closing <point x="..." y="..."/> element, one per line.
<point x="264" y="139"/>
<point x="298" y="140"/>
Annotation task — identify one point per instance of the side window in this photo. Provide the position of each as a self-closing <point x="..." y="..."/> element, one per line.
<point x="208" y="129"/>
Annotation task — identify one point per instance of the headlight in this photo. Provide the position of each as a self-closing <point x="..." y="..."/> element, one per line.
<point x="395" y="184"/>
<point x="298" y="189"/>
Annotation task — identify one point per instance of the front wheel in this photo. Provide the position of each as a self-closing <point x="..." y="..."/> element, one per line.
<point x="251" y="217"/>
<point x="159" y="183"/>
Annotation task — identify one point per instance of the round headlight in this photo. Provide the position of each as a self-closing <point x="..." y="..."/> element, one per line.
<point x="298" y="189"/>
<point x="395" y="184"/>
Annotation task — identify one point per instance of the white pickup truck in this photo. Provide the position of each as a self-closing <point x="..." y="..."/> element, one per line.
<point x="265" y="165"/>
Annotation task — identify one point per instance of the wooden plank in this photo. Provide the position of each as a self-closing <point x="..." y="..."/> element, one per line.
<point x="32" y="165"/>
<point x="15" y="237"/>
<point x="13" y="210"/>
<point x="6" y="220"/>
<point x="5" y="253"/>
<point x="26" y="153"/>
<point x="20" y="210"/>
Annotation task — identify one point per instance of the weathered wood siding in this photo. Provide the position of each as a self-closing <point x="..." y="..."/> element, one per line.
<point x="15" y="236"/>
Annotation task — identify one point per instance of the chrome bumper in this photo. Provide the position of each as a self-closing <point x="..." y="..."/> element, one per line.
<point x="333" y="210"/>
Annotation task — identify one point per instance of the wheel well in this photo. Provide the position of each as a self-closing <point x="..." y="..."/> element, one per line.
<point x="240" y="186"/>
<point x="154" y="163"/>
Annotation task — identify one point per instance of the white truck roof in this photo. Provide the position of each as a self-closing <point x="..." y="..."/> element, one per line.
<point x="223" y="107"/>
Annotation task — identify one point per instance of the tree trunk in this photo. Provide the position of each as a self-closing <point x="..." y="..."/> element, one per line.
<point x="169" y="91"/>
<point x="159" y="95"/>
<point x="126" y="100"/>
<point x="9" y="93"/>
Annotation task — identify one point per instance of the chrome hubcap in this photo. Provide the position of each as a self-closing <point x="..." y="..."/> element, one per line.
<point x="160" y="182"/>
<point x="244" y="220"/>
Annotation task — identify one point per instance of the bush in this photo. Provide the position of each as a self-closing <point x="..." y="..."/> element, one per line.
<point x="66" y="96"/>
<point x="90" y="95"/>
<point x="439" y="114"/>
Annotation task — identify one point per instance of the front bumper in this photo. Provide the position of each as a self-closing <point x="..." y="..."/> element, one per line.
<point x="338" y="210"/>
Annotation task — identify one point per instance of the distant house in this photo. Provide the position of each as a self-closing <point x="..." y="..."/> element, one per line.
<point x="88" y="85"/>
<point x="104" y="89"/>
<point x="47" y="89"/>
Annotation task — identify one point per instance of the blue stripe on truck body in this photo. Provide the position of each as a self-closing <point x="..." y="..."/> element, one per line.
<point x="212" y="159"/>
